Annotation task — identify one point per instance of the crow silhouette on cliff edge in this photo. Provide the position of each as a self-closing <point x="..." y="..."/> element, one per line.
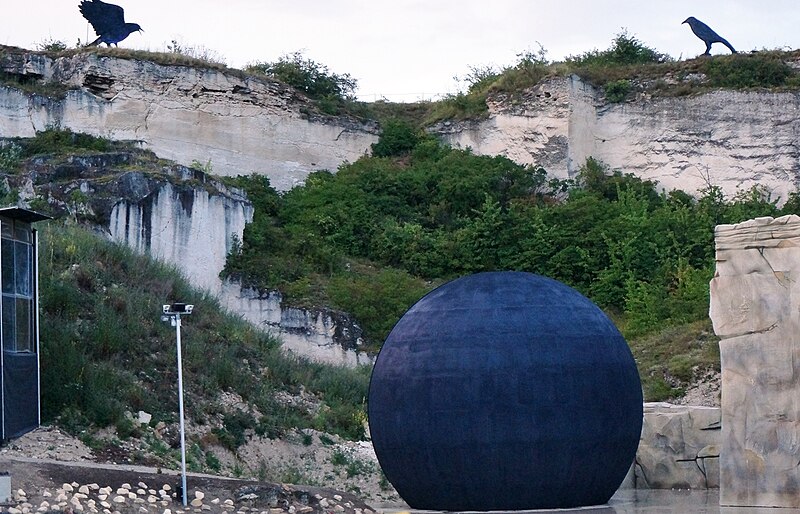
<point x="705" y="33"/>
<point x="108" y="22"/>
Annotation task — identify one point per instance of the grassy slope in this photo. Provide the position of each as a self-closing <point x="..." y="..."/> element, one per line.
<point x="105" y="351"/>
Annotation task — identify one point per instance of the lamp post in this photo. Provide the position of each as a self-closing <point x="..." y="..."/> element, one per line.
<point x="173" y="313"/>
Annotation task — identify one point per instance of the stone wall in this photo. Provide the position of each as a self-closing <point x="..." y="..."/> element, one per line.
<point x="755" y="301"/>
<point x="678" y="449"/>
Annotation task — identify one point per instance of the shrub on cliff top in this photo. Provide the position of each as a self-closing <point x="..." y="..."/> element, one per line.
<point x="624" y="50"/>
<point x="764" y="69"/>
<point x="310" y="77"/>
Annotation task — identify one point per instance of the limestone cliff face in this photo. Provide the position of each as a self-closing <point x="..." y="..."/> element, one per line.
<point x="731" y="139"/>
<point x="754" y="307"/>
<point x="241" y="124"/>
<point x="188" y="219"/>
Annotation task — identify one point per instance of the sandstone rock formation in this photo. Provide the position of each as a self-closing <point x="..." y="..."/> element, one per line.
<point x="679" y="448"/>
<point x="754" y="307"/>
<point x="238" y="123"/>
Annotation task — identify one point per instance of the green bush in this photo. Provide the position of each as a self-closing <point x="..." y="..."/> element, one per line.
<point x="56" y="140"/>
<point x="737" y="71"/>
<point x="624" y="50"/>
<point x="397" y="138"/>
<point x="310" y="77"/>
<point x="10" y="156"/>
<point x="617" y="90"/>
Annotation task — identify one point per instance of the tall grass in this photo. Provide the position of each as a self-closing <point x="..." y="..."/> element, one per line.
<point x="105" y="350"/>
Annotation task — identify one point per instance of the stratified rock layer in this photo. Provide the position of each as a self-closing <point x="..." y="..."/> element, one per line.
<point x="235" y="123"/>
<point x="755" y="299"/>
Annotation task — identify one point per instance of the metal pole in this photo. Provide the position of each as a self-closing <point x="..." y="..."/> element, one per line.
<point x="177" y="319"/>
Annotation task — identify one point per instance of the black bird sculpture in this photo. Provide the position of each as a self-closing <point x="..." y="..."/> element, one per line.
<point x="705" y="33"/>
<point x="108" y="21"/>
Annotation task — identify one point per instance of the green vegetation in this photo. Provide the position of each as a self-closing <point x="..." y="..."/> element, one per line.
<point x="329" y="90"/>
<point x="625" y="50"/>
<point x="742" y="71"/>
<point x="617" y="91"/>
<point x="627" y="66"/>
<point x="377" y="235"/>
<point x="105" y="351"/>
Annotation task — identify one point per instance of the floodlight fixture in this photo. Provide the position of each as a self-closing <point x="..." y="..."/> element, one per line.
<point x="172" y="313"/>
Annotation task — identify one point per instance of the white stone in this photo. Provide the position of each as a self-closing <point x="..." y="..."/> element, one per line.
<point x="678" y="448"/>
<point x="46" y="493"/>
<point x="94" y="487"/>
<point x="119" y="499"/>
<point x="126" y="486"/>
<point x="166" y="487"/>
<point x="152" y="499"/>
<point x="754" y="299"/>
<point x="215" y="501"/>
<point x="84" y="489"/>
<point x="105" y="504"/>
<point x="337" y="497"/>
<point x="67" y="488"/>
<point x="196" y="502"/>
<point x="102" y="496"/>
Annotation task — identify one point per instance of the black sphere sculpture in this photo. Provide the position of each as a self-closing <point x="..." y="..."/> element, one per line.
<point x="505" y="391"/>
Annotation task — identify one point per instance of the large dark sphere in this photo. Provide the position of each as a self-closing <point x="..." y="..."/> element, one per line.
<point x="505" y="391"/>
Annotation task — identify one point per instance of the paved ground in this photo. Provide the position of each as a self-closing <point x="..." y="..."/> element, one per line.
<point x="631" y="501"/>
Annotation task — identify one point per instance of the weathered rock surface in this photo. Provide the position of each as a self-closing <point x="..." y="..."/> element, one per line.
<point x="322" y="335"/>
<point x="731" y="139"/>
<point x="240" y="124"/>
<point x="186" y="218"/>
<point x="679" y="448"/>
<point x="755" y="299"/>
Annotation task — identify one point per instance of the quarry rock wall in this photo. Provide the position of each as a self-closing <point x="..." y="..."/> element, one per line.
<point x="731" y="139"/>
<point x="236" y="123"/>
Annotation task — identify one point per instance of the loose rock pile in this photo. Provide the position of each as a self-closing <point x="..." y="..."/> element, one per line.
<point x="164" y="499"/>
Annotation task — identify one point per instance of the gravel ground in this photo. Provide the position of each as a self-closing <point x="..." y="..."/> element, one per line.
<point x="52" y="471"/>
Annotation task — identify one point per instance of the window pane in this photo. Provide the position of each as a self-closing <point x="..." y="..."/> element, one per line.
<point x="7" y="228"/>
<point x="9" y="324"/>
<point x="22" y="231"/>
<point x="22" y="262"/>
<point x="7" y="256"/>
<point x="23" y="319"/>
